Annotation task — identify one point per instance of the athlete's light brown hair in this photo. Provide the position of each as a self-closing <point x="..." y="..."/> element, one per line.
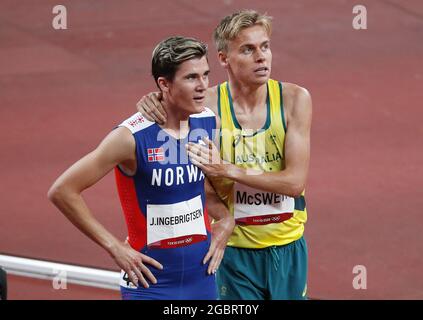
<point x="230" y="26"/>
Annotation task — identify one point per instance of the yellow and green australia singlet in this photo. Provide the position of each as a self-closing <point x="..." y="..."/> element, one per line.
<point x="262" y="218"/>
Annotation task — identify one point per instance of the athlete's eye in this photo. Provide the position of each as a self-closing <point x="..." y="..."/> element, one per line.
<point x="247" y="50"/>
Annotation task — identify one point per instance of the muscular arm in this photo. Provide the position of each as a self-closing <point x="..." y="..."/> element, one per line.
<point x="152" y="108"/>
<point x="222" y="227"/>
<point x="66" y="191"/>
<point x="118" y="147"/>
<point x="223" y="223"/>
<point x="290" y="181"/>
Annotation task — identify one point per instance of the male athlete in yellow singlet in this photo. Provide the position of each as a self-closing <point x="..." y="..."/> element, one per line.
<point x="265" y="151"/>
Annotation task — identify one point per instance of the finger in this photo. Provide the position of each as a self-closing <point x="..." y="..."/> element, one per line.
<point x="205" y="154"/>
<point x="212" y="251"/>
<point x="199" y="164"/>
<point x="206" y="151"/>
<point x="132" y="276"/>
<point x="193" y="147"/>
<point x="161" y="112"/>
<point x="215" y="261"/>
<point x="153" y="113"/>
<point x="208" y="142"/>
<point x="139" y="105"/>
<point x="209" y="253"/>
<point x="158" y="95"/>
<point x="145" y="111"/>
<point x="190" y="147"/>
<point x="151" y="261"/>
<point x="207" y="257"/>
<point x="197" y="159"/>
<point x="214" y="154"/>
<point x="140" y="276"/>
<point x="147" y="273"/>
<point x="200" y="151"/>
<point x="193" y="154"/>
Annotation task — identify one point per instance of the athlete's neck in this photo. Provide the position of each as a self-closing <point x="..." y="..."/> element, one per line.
<point x="248" y="97"/>
<point x="177" y="123"/>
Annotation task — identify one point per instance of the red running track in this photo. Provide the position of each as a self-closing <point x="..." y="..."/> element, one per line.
<point x="23" y="288"/>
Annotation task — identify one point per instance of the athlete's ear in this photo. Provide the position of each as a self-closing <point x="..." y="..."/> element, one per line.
<point x="163" y="84"/>
<point x="223" y="59"/>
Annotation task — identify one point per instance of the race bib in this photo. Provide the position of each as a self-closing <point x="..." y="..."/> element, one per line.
<point x="176" y="225"/>
<point x="124" y="281"/>
<point x="258" y="207"/>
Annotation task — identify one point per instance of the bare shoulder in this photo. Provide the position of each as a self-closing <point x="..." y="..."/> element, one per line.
<point x="211" y="99"/>
<point x="296" y="101"/>
<point x="293" y="93"/>
<point x="120" y="135"/>
<point x="119" y="143"/>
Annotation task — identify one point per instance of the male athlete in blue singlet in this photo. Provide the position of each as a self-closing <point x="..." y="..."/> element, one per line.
<point x="162" y="193"/>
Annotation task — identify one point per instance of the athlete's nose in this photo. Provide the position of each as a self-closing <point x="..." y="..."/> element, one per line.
<point x="260" y="57"/>
<point x="203" y="84"/>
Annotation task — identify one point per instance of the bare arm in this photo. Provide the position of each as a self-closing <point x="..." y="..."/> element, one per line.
<point x="223" y="224"/>
<point x="65" y="193"/>
<point x="152" y="107"/>
<point x="222" y="227"/>
<point x="290" y="181"/>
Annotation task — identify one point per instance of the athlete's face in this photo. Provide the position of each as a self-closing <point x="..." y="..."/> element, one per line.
<point x="248" y="57"/>
<point x="187" y="90"/>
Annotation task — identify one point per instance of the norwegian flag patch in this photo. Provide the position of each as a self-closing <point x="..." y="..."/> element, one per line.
<point x="155" y="154"/>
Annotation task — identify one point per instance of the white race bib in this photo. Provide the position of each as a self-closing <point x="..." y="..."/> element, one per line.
<point x="176" y="225"/>
<point x="258" y="207"/>
<point x="124" y="280"/>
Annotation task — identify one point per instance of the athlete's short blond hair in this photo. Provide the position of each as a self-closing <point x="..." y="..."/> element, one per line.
<point x="230" y="26"/>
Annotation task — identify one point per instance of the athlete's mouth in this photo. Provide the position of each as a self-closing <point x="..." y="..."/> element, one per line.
<point x="262" y="69"/>
<point x="199" y="99"/>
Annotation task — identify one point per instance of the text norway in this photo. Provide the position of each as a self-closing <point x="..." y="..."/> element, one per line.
<point x="176" y="175"/>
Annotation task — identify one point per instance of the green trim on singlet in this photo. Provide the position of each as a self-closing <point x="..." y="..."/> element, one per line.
<point x="234" y="119"/>
<point x="219" y="112"/>
<point x="282" y="111"/>
<point x="300" y="203"/>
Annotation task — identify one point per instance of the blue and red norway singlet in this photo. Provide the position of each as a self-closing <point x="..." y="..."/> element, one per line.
<point x="165" y="211"/>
